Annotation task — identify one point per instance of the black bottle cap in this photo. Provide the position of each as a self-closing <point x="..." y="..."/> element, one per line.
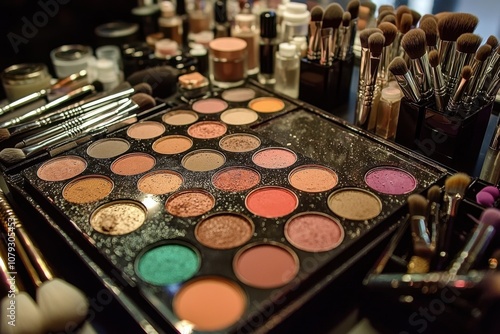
<point x="180" y="8"/>
<point x="220" y="11"/>
<point x="268" y="25"/>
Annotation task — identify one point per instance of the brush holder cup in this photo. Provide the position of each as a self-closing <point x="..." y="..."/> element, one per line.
<point x="453" y="140"/>
<point x="326" y="87"/>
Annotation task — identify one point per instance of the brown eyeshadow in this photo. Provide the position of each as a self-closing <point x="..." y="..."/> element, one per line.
<point x="224" y="231"/>
<point x="133" y="164"/>
<point x="87" y="189"/>
<point x="160" y="182"/>
<point x="190" y="203"/>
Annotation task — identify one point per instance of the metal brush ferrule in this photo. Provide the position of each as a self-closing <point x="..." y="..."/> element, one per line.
<point x="383" y="69"/>
<point x="478" y="72"/>
<point x="314" y="47"/>
<point x="461" y="59"/>
<point x="439" y="87"/>
<point x="409" y="87"/>
<point x="326" y="40"/>
<point x="446" y="56"/>
<point x="422" y="74"/>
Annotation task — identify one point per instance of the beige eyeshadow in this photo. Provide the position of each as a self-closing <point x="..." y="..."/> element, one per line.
<point x="118" y="218"/>
<point x="61" y="168"/>
<point x="133" y="164"/>
<point x="87" y="189"/>
<point x="203" y="160"/>
<point x="313" y="178"/>
<point x="145" y="130"/>
<point x="239" y="142"/>
<point x="180" y="117"/>
<point x="354" y="204"/>
<point x="160" y="182"/>
<point x="108" y="148"/>
<point x="172" y="144"/>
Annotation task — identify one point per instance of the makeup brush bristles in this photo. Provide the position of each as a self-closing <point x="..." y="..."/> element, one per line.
<point x="316" y="13"/>
<point x="434" y="58"/>
<point x="452" y="25"/>
<point x="468" y="43"/>
<point x="429" y="26"/>
<point x="398" y="66"/>
<point x="353" y="8"/>
<point x="405" y="24"/>
<point x="413" y="43"/>
<point x="492" y="41"/>
<point x="390" y="31"/>
<point x="365" y="34"/>
<point x="403" y="9"/>
<point x="457" y="184"/>
<point x="416" y="17"/>
<point x="376" y="44"/>
<point x="346" y="19"/>
<point x="483" y="52"/>
<point x="332" y="17"/>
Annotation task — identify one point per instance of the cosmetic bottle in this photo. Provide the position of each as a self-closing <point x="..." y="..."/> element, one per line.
<point x="222" y="27"/>
<point x="200" y="53"/>
<point x="227" y="62"/>
<point x="169" y="23"/>
<point x="147" y="15"/>
<point x="287" y="70"/>
<point x="267" y="47"/>
<point x="70" y="59"/>
<point x="23" y="79"/>
<point x="137" y="56"/>
<point x="296" y="19"/>
<point x="181" y="11"/>
<point x="245" y="28"/>
<point x="490" y="171"/>
<point x="200" y="17"/>
<point x="388" y="112"/>
<point x="107" y="73"/>
<point x="117" y="33"/>
<point x="301" y="43"/>
<point x="166" y="49"/>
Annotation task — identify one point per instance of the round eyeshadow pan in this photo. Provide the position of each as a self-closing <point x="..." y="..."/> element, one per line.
<point x="180" y="117"/>
<point x="238" y="94"/>
<point x="354" y="204"/>
<point x="118" y="218"/>
<point x="210" y="303"/>
<point x="314" y="232"/>
<point x="160" y="182"/>
<point x="235" y="179"/>
<point x="209" y="106"/>
<point x="172" y="144"/>
<point x="266" y="104"/>
<point x="145" y="130"/>
<point x="271" y="202"/>
<point x="133" y="164"/>
<point x="87" y="189"/>
<point x="274" y="158"/>
<point x="390" y="180"/>
<point x="224" y="231"/>
<point x="207" y="130"/>
<point x="266" y="266"/>
<point x="61" y="168"/>
<point x="203" y="160"/>
<point x="108" y="148"/>
<point x="239" y="116"/>
<point x="313" y="178"/>
<point x="190" y="203"/>
<point x="167" y="263"/>
<point x="239" y="143"/>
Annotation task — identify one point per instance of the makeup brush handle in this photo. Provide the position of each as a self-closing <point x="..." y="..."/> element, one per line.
<point x="23" y="101"/>
<point x="29" y="254"/>
<point x="325" y="46"/>
<point x="314" y="48"/>
<point x="77" y="93"/>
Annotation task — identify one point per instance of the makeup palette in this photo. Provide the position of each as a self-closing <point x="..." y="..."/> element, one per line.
<point x="219" y="224"/>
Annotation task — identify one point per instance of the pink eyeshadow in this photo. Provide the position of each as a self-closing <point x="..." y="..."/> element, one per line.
<point x="390" y="180"/>
<point x="209" y="106"/>
<point x="274" y="158"/>
<point x="207" y="130"/>
<point x="314" y="232"/>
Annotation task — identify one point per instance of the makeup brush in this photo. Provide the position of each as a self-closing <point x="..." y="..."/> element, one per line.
<point x="389" y="18"/>
<point x="353" y="9"/>
<point x="343" y="41"/>
<point x="456" y="98"/>
<point x="437" y="80"/>
<point x="60" y="302"/>
<point x="76" y="109"/>
<point x="314" y="48"/>
<point x="332" y="18"/>
<point x="433" y="209"/>
<point x="28" y="318"/>
<point x="70" y="123"/>
<point x="450" y="27"/>
<point x="364" y="35"/>
<point x="43" y="93"/>
<point x="13" y="155"/>
<point x="366" y="119"/>
<point x="421" y="240"/>
<point x="389" y="31"/>
<point x="405" y="79"/>
<point x="454" y="191"/>
<point x="478" y="66"/>
<point x="467" y="45"/>
<point x="477" y="243"/>
<point x="413" y="43"/>
<point x="385" y="8"/>
<point x="400" y="10"/>
<point x="427" y="16"/>
<point x="52" y="105"/>
<point x="416" y="17"/>
<point x="382" y="15"/>
<point x="429" y="26"/>
<point x="403" y="28"/>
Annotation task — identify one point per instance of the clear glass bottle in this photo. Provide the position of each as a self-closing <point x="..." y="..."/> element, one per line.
<point x="287" y="70"/>
<point x="388" y="112"/>
<point x="246" y="29"/>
